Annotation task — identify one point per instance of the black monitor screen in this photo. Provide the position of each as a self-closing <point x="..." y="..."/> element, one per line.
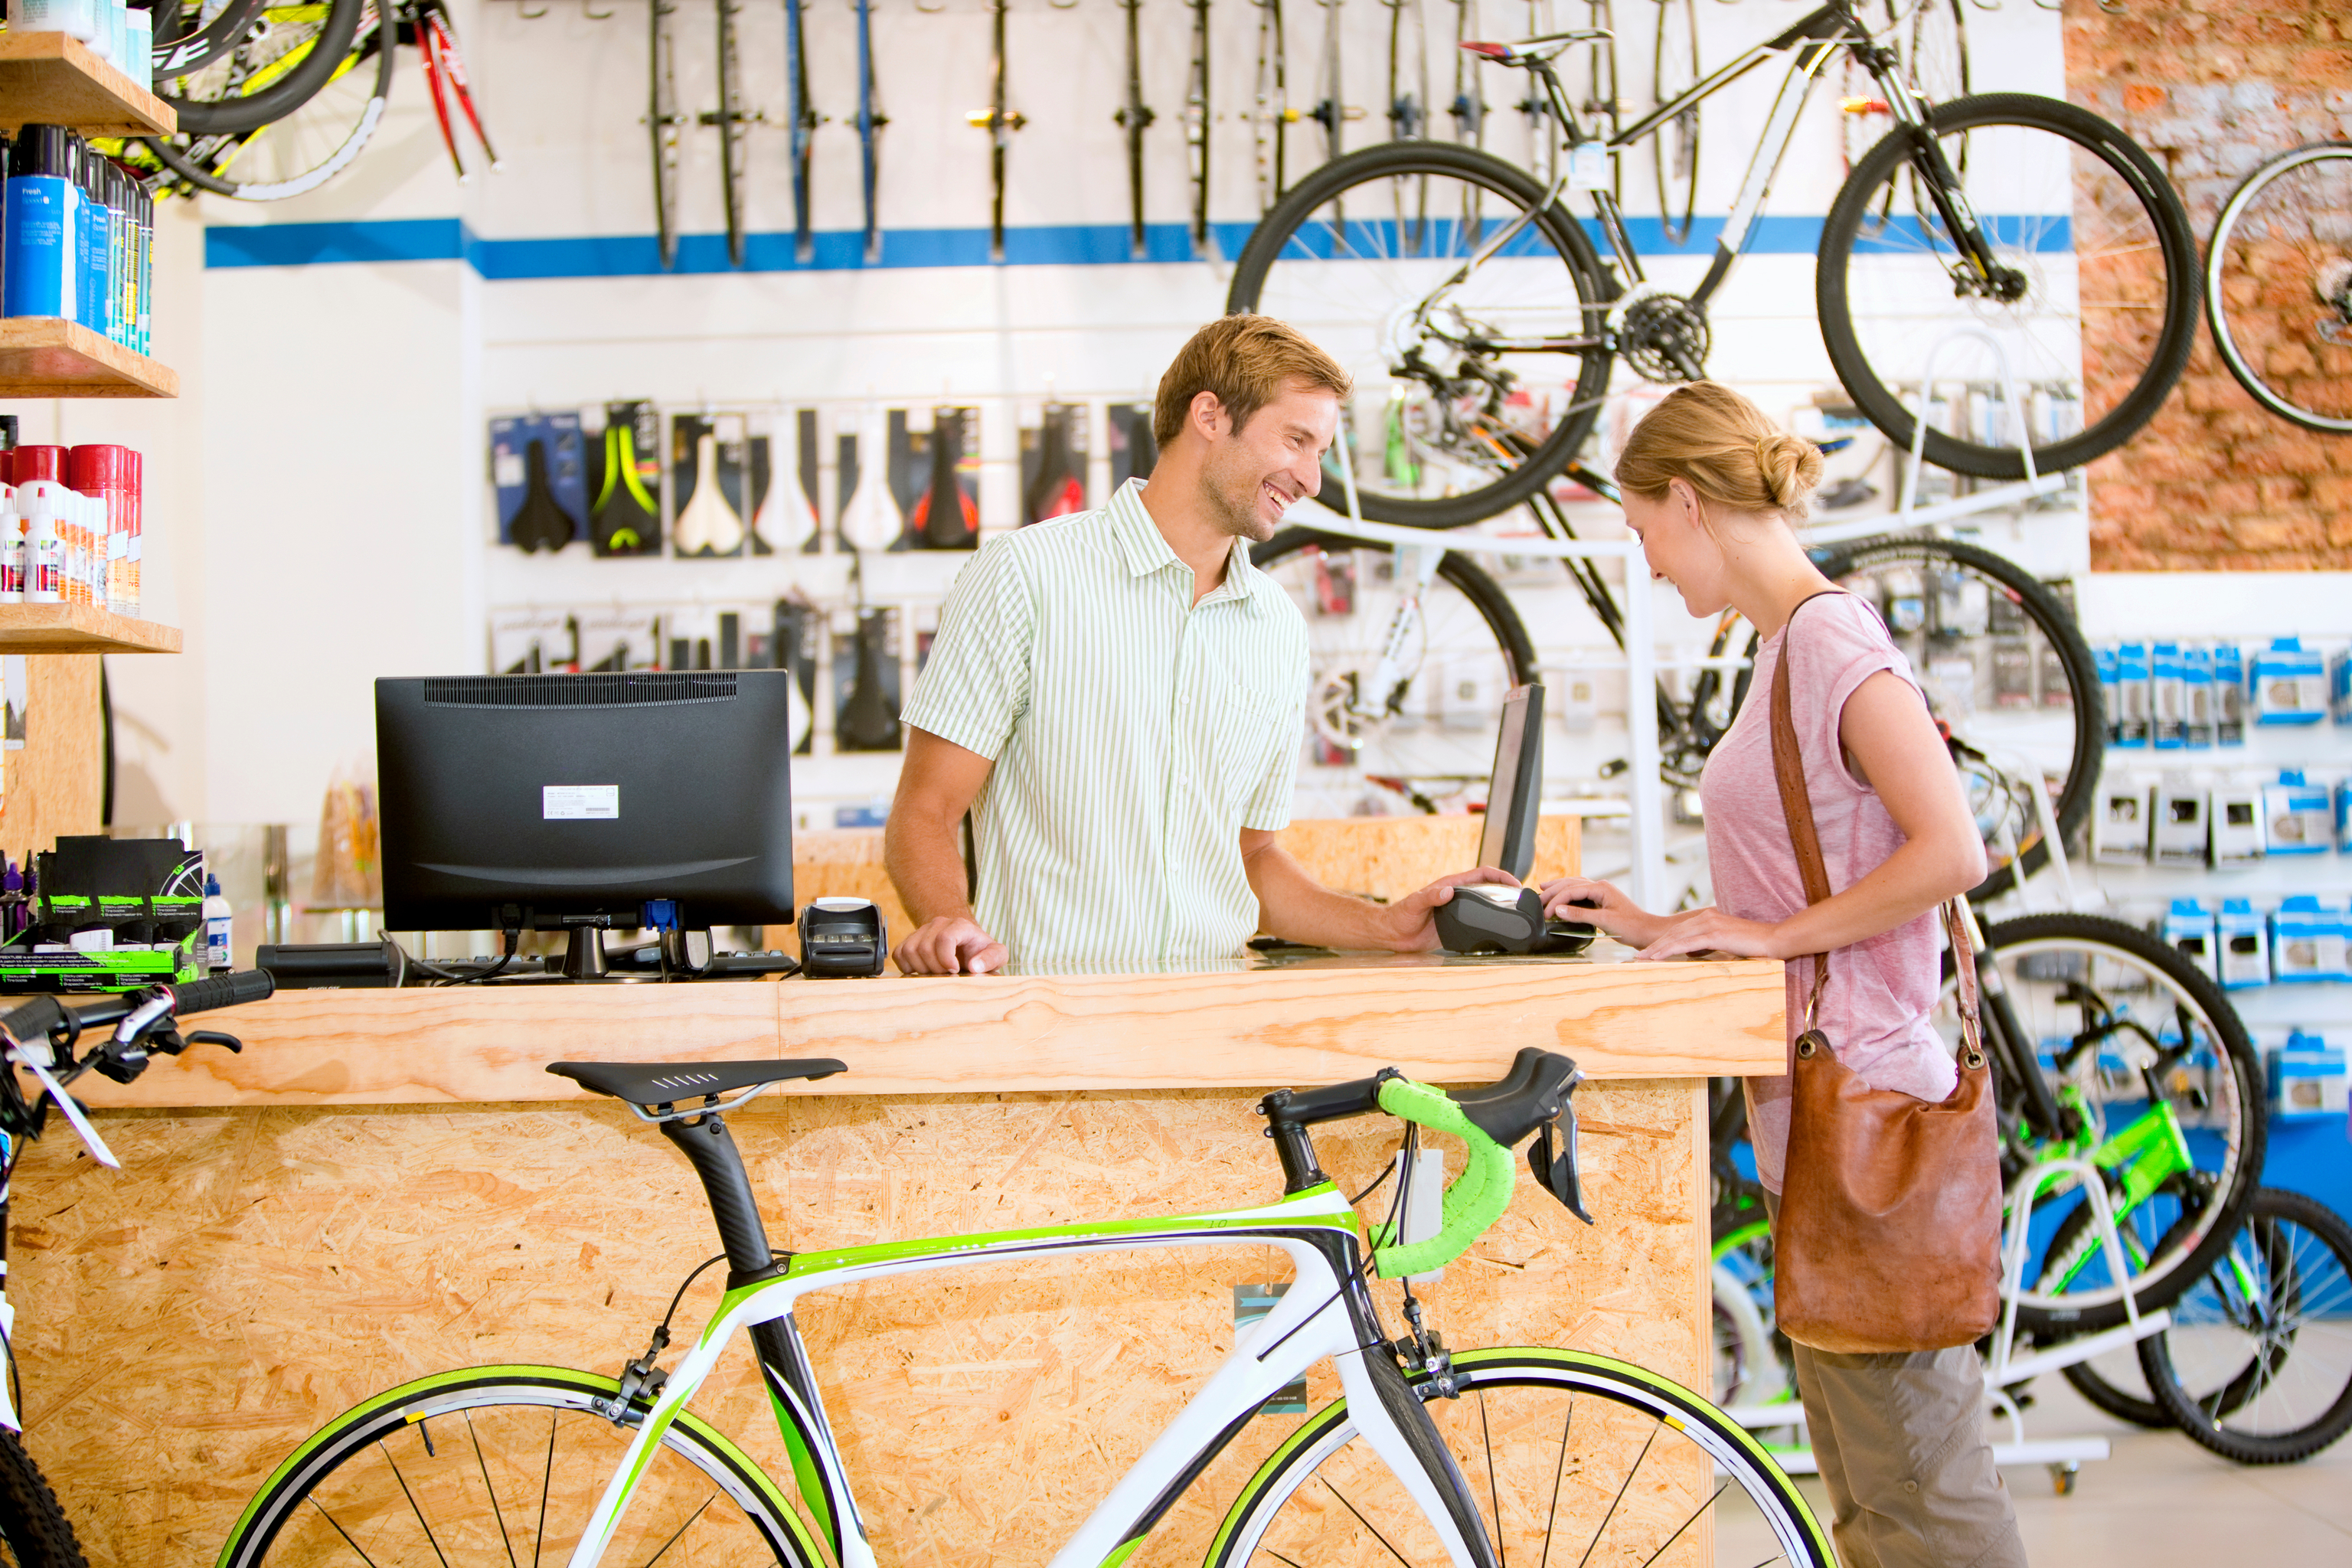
<point x="546" y="800"/>
<point x="1507" y="841"/>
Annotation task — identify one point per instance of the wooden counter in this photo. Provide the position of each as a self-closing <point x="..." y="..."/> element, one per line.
<point x="369" y="1194"/>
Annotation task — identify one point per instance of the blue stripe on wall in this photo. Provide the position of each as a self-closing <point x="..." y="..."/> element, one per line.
<point x="843" y="250"/>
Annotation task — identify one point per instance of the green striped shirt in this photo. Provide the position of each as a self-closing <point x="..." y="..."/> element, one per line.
<point x="1135" y="734"/>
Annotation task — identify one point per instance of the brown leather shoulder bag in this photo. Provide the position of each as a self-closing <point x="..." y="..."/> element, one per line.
<point x="1889" y="1234"/>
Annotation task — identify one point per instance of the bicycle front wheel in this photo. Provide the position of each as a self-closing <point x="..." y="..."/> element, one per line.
<point x="2157" y="1086"/>
<point x="1567" y="1455"/>
<point x="33" y="1529"/>
<point x="1472" y="388"/>
<point x="499" y="1463"/>
<point x="2257" y="1365"/>
<point x="2004" y="665"/>
<point x="2092" y="302"/>
<point x="2278" y="286"/>
<point x="1428" y="725"/>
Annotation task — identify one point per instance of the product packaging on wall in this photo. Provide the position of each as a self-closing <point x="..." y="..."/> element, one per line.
<point x="1054" y="463"/>
<point x="935" y="477"/>
<point x="625" y="479"/>
<point x="539" y="468"/>
<point x="79" y="238"/>
<point x="72" y="522"/>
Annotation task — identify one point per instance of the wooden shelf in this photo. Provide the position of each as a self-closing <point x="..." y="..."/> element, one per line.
<point x="52" y="79"/>
<point x="81" y="629"/>
<point x="47" y="356"/>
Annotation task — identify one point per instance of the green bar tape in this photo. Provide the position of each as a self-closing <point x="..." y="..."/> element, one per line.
<point x="1473" y="1202"/>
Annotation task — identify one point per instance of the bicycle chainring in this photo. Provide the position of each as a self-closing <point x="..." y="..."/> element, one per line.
<point x="1664" y="338"/>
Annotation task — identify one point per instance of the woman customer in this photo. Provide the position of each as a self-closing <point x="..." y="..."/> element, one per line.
<point x="1711" y="488"/>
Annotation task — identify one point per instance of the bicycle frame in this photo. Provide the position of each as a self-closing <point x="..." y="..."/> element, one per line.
<point x="1315" y="1227"/>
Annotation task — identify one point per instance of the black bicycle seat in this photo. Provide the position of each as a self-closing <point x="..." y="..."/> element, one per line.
<point x="666" y="1083"/>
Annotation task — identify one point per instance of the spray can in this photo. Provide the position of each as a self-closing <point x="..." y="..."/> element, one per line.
<point x="102" y="472"/>
<point x="38" y="271"/>
<point x="40" y="502"/>
<point x="134" y="513"/>
<point x="30" y="463"/>
<point x="12" y="549"/>
<point x="219" y="921"/>
<point x="146" y="203"/>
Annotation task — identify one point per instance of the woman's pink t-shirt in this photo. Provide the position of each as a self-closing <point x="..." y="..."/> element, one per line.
<point x="1875" y="1010"/>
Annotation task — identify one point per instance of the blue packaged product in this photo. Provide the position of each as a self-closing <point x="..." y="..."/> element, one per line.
<point x="2197" y="698"/>
<point x="99" y="301"/>
<point x="39" y="265"/>
<point x="2343" y="816"/>
<point x="2339" y="688"/>
<point x="2133" y="695"/>
<point x="2229" y="695"/>
<point x="2308" y="1078"/>
<point x="2110" y="700"/>
<point x="2307" y="941"/>
<point x="2244" y="938"/>
<point x="2298" y="819"/>
<point x="2190" y="930"/>
<point x="2168" y="706"/>
<point x="2290" y="684"/>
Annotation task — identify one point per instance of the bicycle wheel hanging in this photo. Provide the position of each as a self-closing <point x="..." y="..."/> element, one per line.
<point x="282" y="59"/>
<point x="2004" y="665"/>
<point x="1432" y="729"/>
<point x="1567" y="1453"/>
<point x="1674" y="146"/>
<point x="2278" y="286"/>
<point x="302" y="152"/>
<point x="2161" y="1089"/>
<point x="1497" y="381"/>
<point x="2257" y="1365"/>
<point x="190" y="33"/>
<point x="474" y="1465"/>
<point x="2092" y="297"/>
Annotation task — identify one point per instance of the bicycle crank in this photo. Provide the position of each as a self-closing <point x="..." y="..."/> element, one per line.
<point x="1664" y="338"/>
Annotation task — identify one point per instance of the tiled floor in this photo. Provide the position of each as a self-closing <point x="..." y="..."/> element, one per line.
<point x="2160" y="1500"/>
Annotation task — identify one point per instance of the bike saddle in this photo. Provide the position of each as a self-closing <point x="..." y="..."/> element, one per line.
<point x="1529" y="51"/>
<point x="625" y="519"/>
<point x="664" y="1083"/>
<point x="540" y="523"/>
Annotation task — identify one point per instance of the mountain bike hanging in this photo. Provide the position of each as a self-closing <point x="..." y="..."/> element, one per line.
<point x="1675" y="69"/>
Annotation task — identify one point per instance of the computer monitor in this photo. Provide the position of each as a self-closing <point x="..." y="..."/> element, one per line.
<point x="573" y="801"/>
<point x="1515" y="795"/>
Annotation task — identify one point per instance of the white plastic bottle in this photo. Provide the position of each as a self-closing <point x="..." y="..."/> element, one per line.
<point x="12" y="549"/>
<point x="218" y="919"/>
<point x="79" y="17"/>
<point x="45" y="552"/>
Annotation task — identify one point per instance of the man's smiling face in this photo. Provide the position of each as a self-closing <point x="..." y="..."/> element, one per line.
<point x="1253" y="476"/>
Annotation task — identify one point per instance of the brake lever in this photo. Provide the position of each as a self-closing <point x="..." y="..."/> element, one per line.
<point x="214" y="1038"/>
<point x="1557" y="1170"/>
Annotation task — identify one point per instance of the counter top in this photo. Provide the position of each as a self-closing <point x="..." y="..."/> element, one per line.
<point x="1293" y="1017"/>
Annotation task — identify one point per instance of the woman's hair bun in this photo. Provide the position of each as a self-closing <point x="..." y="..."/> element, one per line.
<point x="1790" y="466"/>
<point x="1724" y="448"/>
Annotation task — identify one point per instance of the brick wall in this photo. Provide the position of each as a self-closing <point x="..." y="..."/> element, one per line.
<point x="2213" y="88"/>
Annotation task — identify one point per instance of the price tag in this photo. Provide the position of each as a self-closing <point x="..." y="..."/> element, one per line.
<point x="1588" y="167"/>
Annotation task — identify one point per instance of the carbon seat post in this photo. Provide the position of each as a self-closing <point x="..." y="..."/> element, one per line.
<point x="710" y="1149"/>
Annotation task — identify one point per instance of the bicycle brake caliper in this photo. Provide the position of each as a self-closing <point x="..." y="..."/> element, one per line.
<point x="641" y="1379"/>
<point x="1424" y="1351"/>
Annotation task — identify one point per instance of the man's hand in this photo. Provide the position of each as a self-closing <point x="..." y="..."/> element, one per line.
<point x="950" y="945"/>
<point x="1412" y="928"/>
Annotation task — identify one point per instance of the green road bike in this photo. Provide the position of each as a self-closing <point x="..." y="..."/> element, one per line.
<point x="1475" y="1458"/>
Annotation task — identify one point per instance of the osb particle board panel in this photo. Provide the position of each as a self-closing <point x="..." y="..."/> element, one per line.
<point x="249" y="1273"/>
<point x="53" y="784"/>
<point x="1319" y="1022"/>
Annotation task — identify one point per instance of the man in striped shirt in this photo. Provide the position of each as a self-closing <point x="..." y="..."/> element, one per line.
<point x="1115" y="698"/>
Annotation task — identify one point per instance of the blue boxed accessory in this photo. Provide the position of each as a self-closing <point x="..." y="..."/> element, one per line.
<point x="2244" y="941"/>
<point x="2229" y="694"/>
<point x="2190" y="930"/>
<point x="2131" y="694"/>
<point x="2290" y="685"/>
<point x="2298" y="818"/>
<point x="2197" y="698"/>
<point x="2111" y="701"/>
<point x="2167" y="705"/>
<point x="2308" y="1078"/>
<point x="2307" y="941"/>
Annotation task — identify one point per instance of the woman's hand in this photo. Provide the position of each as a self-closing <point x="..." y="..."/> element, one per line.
<point x="1611" y="911"/>
<point x="1711" y="930"/>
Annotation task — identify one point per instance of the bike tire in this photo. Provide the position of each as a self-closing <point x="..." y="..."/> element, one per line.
<point x="1368" y="174"/>
<point x="339" y="1460"/>
<point x="327" y="49"/>
<point x="1850" y="223"/>
<point x="1620" y="1402"/>
<point x="206" y="173"/>
<point x="178" y="54"/>
<point x="32" y="1525"/>
<point x="2182" y="1259"/>
<point x="1675" y="69"/>
<point x="2307" y="1295"/>
<point x="2317" y="273"/>
<point x="2121" y="1404"/>
<point x="2043" y="615"/>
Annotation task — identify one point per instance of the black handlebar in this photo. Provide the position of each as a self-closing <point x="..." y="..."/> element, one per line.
<point x="224" y="991"/>
<point x="37" y="1017"/>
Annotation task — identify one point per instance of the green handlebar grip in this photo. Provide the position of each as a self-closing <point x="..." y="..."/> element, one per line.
<point x="1475" y="1199"/>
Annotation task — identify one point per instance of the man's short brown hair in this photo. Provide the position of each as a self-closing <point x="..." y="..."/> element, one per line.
<point x="1246" y="360"/>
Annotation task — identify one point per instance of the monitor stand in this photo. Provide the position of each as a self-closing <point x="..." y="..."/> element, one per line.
<point x="583" y="955"/>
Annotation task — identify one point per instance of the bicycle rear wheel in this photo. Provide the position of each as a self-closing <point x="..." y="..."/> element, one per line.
<point x="2161" y="1090"/>
<point x="1479" y="411"/>
<point x="297" y="154"/>
<point x="1564" y="1452"/>
<point x="2257" y="1365"/>
<point x="2093" y="308"/>
<point x="33" y="1529"/>
<point x="1432" y="730"/>
<point x="491" y="1462"/>
<point x="2278" y="286"/>
<point x="275" y="66"/>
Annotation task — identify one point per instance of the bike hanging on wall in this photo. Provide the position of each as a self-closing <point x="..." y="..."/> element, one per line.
<point x="2278" y="286"/>
<point x="1496" y="339"/>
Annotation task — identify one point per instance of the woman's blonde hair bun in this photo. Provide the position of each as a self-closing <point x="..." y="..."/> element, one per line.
<point x="1722" y="446"/>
